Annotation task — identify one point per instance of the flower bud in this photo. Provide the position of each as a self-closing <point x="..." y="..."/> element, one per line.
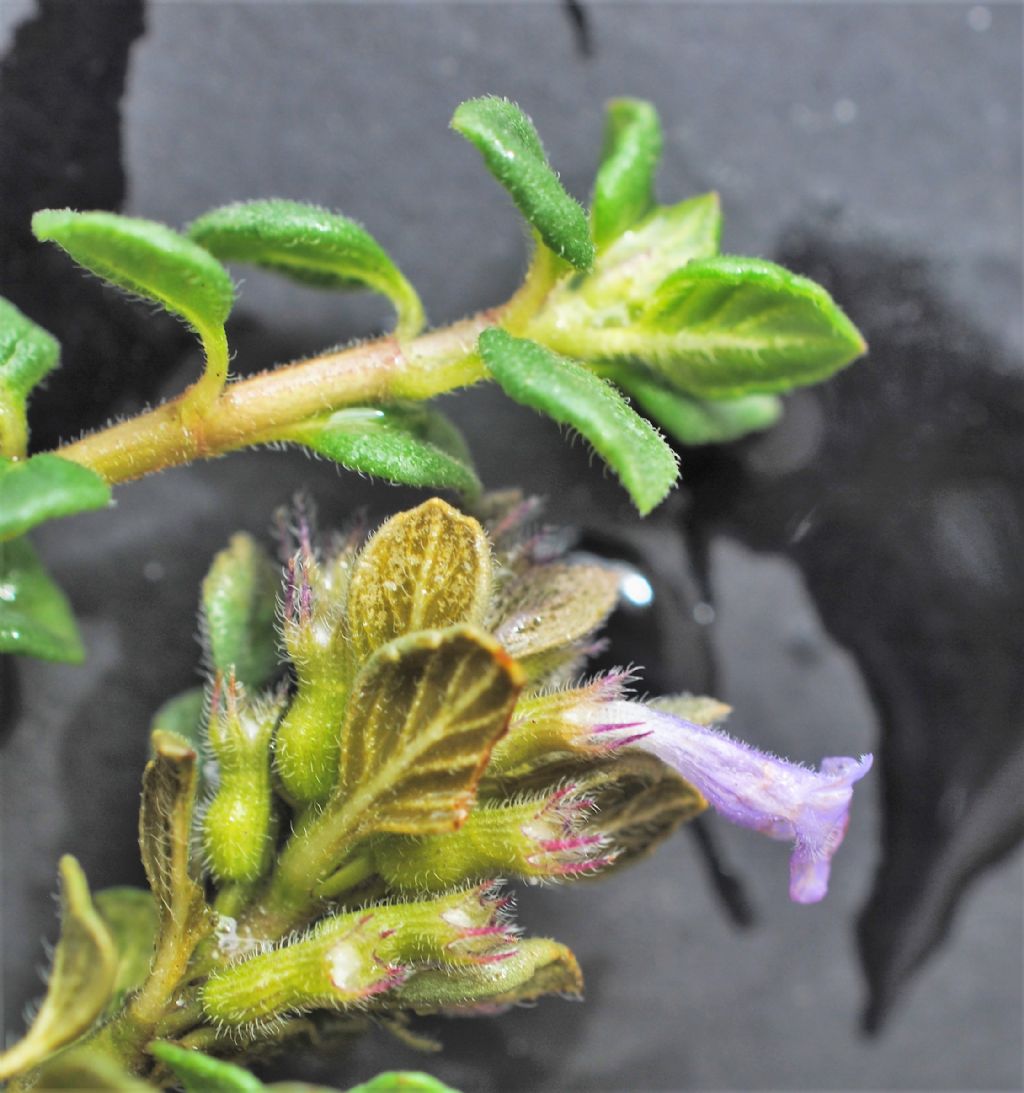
<point x="348" y="959"/>
<point x="238" y="824"/>
<point x="546" y="837"/>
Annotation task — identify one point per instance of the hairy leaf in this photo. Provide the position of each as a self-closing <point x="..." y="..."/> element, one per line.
<point x="81" y="980"/>
<point x="43" y="488"/>
<point x="572" y="395"/>
<point x="145" y="258"/>
<point x="35" y="617"/>
<point x="130" y="916"/>
<point x="726" y="327"/>
<point x="199" y="1073"/>
<point x="624" y="187"/>
<point x="404" y="443"/>
<point x="309" y="244"/>
<point x="425" y="569"/>
<point x="541" y="615"/>
<point x="239" y="609"/>
<point x="423" y="717"/>
<point x="695" y="421"/>
<point x="165" y="825"/>
<point x="513" y="153"/>
<point x="540" y="966"/>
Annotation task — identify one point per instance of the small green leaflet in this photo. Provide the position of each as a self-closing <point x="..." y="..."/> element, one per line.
<point x="27" y="354"/>
<point x="404" y="443"/>
<point x="513" y="153"/>
<point x="311" y="245"/>
<point x="182" y="716"/>
<point x="572" y="395"/>
<point x="695" y="421"/>
<point x="633" y="265"/>
<point x="35" y="618"/>
<point x="144" y="258"/>
<point x="624" y="186"/>
<point x="80" y="983"/>
<point x="239" y="600"/>
<point x="43" y="488"/>
<point x="726" y="327"/>
<point x="199" y="1073"/>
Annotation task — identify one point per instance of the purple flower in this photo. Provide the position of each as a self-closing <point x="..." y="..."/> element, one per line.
<point x="751" y="788"/>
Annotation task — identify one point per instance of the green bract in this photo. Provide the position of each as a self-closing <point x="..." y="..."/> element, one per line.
<point x="507" y="140"/>
<point x="566" y="391"/>
<point x="624" y="187"/>
<point x="309" y="244"/>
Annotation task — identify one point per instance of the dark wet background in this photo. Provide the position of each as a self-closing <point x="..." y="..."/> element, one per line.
<point x="852" y="581"/>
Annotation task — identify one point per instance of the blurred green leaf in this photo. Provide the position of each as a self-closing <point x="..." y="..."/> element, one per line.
<point x="182" y="716"/>
<point x="403" y="1081"/>
<point x="43" y="488"/>
<point x="199" y="1073"/>
<point x="239" y="599"/>
<point x="81" y="980"/>
<point x="624" y="187"/>
<point x="409" y="444"/>
<point x="27" y="354"/>
<point x="130" y="916"/>
<point x="572" y="395"/>
<point x="144" y="258"/>
<point x="35" y="618"/>
<point x="695" y="421"/>
<point x="311" y="245"/>
<point x="513" y="153"/>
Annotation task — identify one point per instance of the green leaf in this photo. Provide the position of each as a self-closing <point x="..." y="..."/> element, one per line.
<point x="35" y="617"/>
<point x="513" y="153"/>
<point x="572" y="395"/>
<point x="152" y="261"/>
<point x="624" y="187"/>
<point x="239" y="611"/>
<point x="81" y="980"/>
<point x="201" y="1073"/>
<point x="727" y="327"/>
<point x="145" y="258"/>
<point x="27" y="354"/>
<point x="409" y="444"/>
<point x="424" y="714"/>
<point x="425" y="569"/>
<point x="311" y="245"/>
<point x="695" y="421"/>
<point x="403" y="1081"/>
<point x="130" y="916"/>
<point x="43" y="488"/>
<point x="86" y="1067"/>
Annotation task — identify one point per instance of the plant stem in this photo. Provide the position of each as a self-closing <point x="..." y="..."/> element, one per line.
<point x="251" y="411"/>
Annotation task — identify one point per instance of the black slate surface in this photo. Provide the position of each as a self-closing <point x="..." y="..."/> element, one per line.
<point x="862" y="562"/>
